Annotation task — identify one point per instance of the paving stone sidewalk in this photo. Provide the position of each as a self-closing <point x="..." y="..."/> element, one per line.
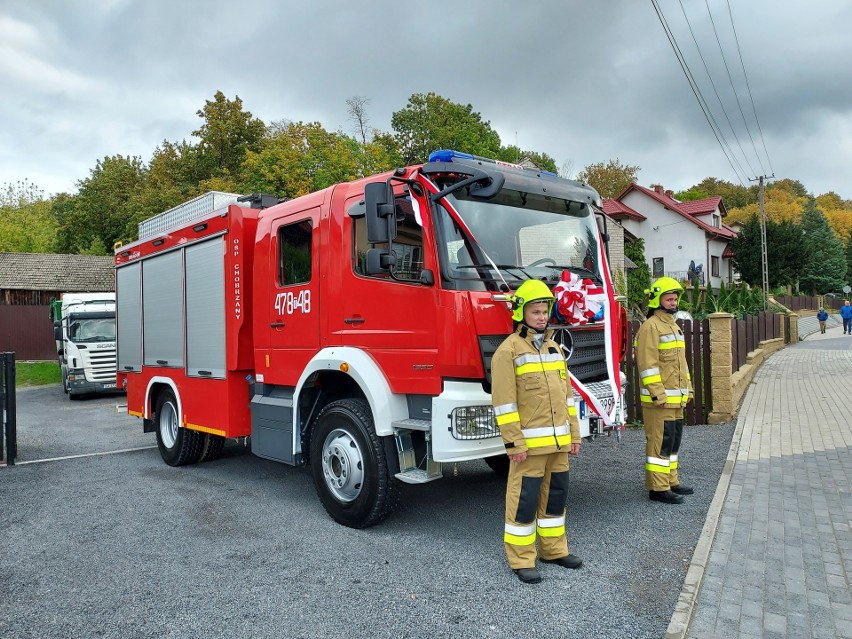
<point x="780" y="564"/>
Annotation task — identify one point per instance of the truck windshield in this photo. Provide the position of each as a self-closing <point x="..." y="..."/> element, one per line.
<point x="516" y="236"/>
<point x="82" y="329"/>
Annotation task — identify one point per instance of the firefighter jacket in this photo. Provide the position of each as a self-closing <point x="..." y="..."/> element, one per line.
<point x="532" y="396"/>
<point x="661" y="356"/>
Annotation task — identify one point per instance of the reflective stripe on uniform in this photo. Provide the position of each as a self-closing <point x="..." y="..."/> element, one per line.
<point x="519" y="535"/>
<point x="540" y="367"/>
<point x="658" y="465"/>
<point x="506" y="414"/>
<point x="672" y="396"/>
<point x="551" y="527"/>
<point x="673" y="461"/>
<point x="544" y="436"/>
<point x="650" y="376"/>
<point x="671" y="341"/>
<point x="532" y="358"/>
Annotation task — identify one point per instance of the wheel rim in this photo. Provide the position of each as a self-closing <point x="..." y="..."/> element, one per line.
<point x="342" y="465"/>
<point x="168" y="425"/>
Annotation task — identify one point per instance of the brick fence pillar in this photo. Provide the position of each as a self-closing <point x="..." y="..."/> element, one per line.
<point x="721" y="368"/>
<point x="794" y="328"/>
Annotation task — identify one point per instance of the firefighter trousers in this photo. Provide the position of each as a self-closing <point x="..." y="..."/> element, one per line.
<point x="536" y="493"/>
<point x="663" y="431"/>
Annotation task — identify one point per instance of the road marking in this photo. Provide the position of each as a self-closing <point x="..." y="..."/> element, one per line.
<point x="109" y="452"/>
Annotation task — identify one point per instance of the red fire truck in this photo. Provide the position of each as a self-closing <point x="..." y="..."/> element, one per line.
<point x="352" y="329"/>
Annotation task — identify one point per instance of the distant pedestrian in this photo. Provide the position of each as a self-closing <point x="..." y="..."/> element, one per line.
<point x="846" y="314"/>
<point x="666" y="389"/>
<point x="822" y="316"/>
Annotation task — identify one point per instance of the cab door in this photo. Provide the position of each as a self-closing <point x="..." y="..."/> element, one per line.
<point x="394" y="317"/>
<point x="293" y="305"/>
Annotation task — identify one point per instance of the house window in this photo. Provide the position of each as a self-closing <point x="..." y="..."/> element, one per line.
<point x="717" y="221"/>
<point x="714" y="266"/>
<point x="657" y="267"/>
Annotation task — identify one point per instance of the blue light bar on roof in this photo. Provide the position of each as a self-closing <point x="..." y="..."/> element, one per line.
<point x="447" y="155"/>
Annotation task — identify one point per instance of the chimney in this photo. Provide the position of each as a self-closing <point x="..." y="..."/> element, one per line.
<point x="670" y="194"/>
<point x="658" y="188"/>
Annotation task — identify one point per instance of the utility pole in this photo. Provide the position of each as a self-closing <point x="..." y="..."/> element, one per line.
<point x="763" y="259"/>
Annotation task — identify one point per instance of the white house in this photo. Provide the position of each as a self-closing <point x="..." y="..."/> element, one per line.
<point x="681" y="238"/>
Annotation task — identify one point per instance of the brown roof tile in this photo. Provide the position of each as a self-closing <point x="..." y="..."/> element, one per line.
<point x="55" y="272"/>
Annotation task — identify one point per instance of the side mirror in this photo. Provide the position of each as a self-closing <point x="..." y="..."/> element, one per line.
<point x="601" y="221"/>
<point x="57" y="331"/>
<point x="380" y="214"/>
<point x="380" y="261"/>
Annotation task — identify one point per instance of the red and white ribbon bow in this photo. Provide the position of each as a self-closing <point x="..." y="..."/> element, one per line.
<point x="573" y="302"/>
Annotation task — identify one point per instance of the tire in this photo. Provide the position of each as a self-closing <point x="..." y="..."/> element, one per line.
<point x="178" y="446"/>
<point x="349" y="467"/>
<point x="65" y="380"/>
<point x="211" y="447"/>
<point x="499" y="464"/>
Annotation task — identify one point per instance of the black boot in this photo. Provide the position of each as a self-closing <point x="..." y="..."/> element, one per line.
<point x="568" y="561"/>
<point x="680" y="489"/>
<point x="665" y="496"/>
<point x="528" y="575"/>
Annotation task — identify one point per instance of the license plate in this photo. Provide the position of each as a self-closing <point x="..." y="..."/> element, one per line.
<point x="109" y="385"/>
<point x="606" y="402"/>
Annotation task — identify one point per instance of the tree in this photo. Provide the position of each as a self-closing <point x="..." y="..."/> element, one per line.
<point x="849" y="257"/>
<point x="227" y="134"/>
<point x="639" y="278"/>
<point x="356" y="107"/>
<point x="299" y="158"/>
<point x="824" y="268"/>
<point x="429" y="122"/>
<point x="783" y="255"/>
<point x="515" y="155"/>
<point x="102" y="211"/>
<point x="610" y="178"/>
<point x="733" y="195"/>
<point x="691" y="195"/>
<point x="779" y="204"/>
<point x="25" y="222"/>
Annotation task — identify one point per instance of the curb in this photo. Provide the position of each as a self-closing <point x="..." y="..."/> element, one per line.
<point x="685" y="607"/>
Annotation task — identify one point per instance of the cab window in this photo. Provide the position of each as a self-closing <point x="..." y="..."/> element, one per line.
<point x="294" y="253"/>
<point x="408" y="245"/>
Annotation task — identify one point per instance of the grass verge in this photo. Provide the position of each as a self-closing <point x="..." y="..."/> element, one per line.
<point x="37" y="373"/>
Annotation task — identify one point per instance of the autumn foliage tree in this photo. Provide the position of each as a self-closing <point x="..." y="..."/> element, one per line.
<point x="609" y="178"/>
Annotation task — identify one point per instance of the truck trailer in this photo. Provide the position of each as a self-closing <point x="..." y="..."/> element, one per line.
<point x="352" y="329"/>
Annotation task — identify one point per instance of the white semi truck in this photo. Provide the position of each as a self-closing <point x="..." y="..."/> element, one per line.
<point x="84" y="330"/>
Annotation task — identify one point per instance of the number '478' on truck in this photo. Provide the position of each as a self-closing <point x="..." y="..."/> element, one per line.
<point x="352" y="329"/>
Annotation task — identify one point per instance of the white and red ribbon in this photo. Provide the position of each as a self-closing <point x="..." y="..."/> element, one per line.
<point x="610" y="343"/>
<point x="576" y="302"/>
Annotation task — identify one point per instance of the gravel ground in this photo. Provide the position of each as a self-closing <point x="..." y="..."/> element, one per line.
<point x="124" y="546"/>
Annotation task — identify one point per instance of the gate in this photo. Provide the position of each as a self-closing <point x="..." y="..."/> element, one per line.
<point x="8" y="423"/>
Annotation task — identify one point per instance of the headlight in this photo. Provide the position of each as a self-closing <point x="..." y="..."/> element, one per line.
<point x="474" y="422"/>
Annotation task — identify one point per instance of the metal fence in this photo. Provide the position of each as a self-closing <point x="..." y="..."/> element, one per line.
<point x="697" y="337"/>
<point x="8" y="409"/>
<point x="28" y="331"/>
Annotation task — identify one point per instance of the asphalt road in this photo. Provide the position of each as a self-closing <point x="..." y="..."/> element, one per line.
<point x="121" y="545"/>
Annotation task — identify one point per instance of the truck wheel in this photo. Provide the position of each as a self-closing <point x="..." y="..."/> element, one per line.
<point x="499" y="464"/>
<point x="64" y="380"/>
<point x="211" y="447"/>
<point x="178" y="446"/>
<point x="349" y="467"/>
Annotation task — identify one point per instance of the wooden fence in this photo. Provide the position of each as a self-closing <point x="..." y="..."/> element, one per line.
<point x="799" y="302"/>
<point x="748" y="332"/>
<point x="697" y="336"/>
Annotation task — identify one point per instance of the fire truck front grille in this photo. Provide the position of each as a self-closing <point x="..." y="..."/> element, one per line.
<point x="488" y="345"/>
<point x="100" y="365"/>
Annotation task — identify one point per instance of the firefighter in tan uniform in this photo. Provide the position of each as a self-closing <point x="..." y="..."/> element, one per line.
<point x="666" y="387"/>
<point x="534" y="408"/>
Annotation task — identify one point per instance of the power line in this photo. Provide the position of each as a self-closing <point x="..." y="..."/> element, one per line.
<point x="731" y="79"/>
<point x="696" y="91"/>
<point x="713" y="84"/>
<point x="745" y="75"/>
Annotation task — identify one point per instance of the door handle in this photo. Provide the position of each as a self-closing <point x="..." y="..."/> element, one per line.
<point x="277" y="324"/>
<point x="354" y="320"/>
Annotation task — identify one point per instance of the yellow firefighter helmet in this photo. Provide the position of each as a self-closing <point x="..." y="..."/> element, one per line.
<point x="528" y="292"/>
<point x="660" y="287"/>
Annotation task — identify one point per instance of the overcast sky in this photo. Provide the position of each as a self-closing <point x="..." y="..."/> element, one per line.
<point x="584" y="81"/>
